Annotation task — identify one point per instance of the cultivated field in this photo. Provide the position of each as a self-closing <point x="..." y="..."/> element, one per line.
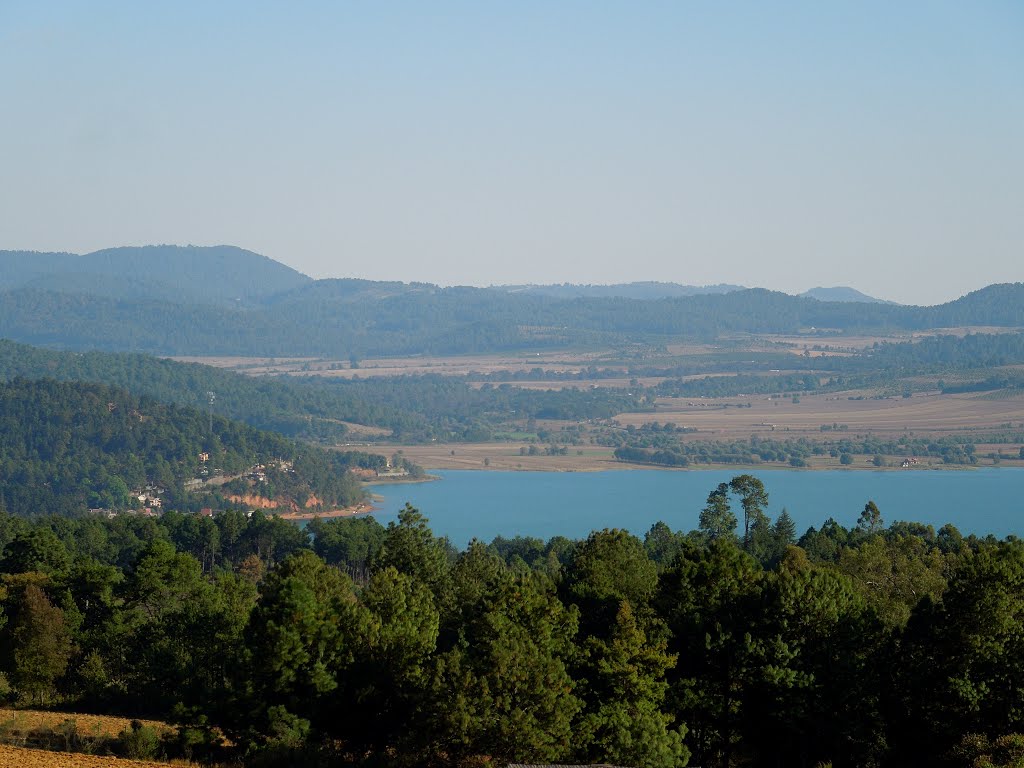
<point x="506" y="456"/>
<point x="724" y="419"/>
<point x="20" y="757"/>
<point x="459" y="365"/>
<point x="976" y="416"/>
<point x="924" y="413"/>
<point x="569" y="361"/>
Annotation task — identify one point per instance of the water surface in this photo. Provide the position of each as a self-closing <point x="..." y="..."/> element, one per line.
<point x="465" y="504"/>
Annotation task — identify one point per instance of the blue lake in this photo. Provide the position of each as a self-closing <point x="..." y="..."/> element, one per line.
<point x="467" y="504"/>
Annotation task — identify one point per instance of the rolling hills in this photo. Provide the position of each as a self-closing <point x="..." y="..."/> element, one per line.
<point x="226" y="301"/>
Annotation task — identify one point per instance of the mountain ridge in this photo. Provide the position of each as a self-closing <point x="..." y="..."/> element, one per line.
<point x="217" y="274"/>
<point x="169" y="300"/>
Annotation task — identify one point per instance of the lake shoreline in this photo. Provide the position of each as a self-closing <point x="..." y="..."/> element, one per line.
<point x="503" y="457"/>
<point x="362" y="508"/>
<point x="471" y="504"/>
<point x="624" y="466"/>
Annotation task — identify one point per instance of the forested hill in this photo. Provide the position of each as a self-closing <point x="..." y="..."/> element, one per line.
<point x="221" y="274"/>
<point x="413" y="408"/>
<point x="842" y="293"/>
<point x="293" y="407"/>
<point x="225" y="301"/>
<point x="646" y="289"/>
<point x="70" y="446"/>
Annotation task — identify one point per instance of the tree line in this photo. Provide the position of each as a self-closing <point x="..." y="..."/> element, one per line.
<point x="315" y="408"/>
<point x="343" y="317"/>
<point x="349" y="643"/>
<point x="652" y="444"/>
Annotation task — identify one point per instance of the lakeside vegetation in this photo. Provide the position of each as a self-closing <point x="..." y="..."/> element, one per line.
<point x="652" y="444"/>
<point x="348" y="643"/>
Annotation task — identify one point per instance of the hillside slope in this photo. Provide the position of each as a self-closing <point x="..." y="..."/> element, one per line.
<point x="226" y="301"/>
<point x="70" y="446"/>
<point x="841" y="293"/>
<point x="293" y="407"/>
<point x="221" y="274"/>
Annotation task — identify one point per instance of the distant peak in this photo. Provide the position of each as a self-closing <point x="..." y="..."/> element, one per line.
<point x="842" y="293"/>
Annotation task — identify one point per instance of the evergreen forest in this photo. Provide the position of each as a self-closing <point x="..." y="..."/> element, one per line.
<point x="227" y="301"/>
<point x="70" y="446"/>
<point x="350" y="643"/>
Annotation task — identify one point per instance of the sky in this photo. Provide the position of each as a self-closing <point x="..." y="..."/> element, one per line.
<point x="783" y="145"/>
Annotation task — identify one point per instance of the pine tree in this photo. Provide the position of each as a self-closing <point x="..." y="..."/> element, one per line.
<point x="624" y="691"/>
<point x="753" y="499"/>
<point x="870" y="520"/>
<point x="411" y="548"/>
<point x="711" y="600"/>
<point x="717" y="520"/>
<point x="504" y="690"/>
<point x="42" y="645"/>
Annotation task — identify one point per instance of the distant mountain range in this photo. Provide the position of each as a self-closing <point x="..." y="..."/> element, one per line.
<point x="842" y="293"/>
<point x="220" y="274"/>
<point x="228" y="301"/>
<point x="638" y="290"/>
<point x="659" y="290"/>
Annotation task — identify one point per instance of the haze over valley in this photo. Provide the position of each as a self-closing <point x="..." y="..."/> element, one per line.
<point x="485" y="385"/>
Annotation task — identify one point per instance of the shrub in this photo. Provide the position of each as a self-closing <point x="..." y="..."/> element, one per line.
<point x="139" y="742"/>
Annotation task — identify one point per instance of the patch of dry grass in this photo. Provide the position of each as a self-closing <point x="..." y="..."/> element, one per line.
<point x="23" y="720"/>
<point x="23" y="757"/>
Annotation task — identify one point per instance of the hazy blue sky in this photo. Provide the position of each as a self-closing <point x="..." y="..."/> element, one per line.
<point x="779" y="144"/>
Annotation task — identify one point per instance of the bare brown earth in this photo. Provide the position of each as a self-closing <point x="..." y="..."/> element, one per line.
<point x="779" y="418"/>
<point x="924" y="414"/>
<point x="613" y="383"/>
<point x="567" y="361"/>
<point x="17" y="726"/>
<point x="853" y="343"/>
<point x="457" y="365"/>
<point x="932" y="413"/>
<point x="505" y="456"/>
<point x="309" y="514"/>
<point x="20" y="757"/>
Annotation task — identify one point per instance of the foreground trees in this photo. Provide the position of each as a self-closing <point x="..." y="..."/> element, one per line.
<point x="866" y="647"/>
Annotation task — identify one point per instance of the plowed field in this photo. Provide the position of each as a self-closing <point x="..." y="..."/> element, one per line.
<point x="19" y="757"/>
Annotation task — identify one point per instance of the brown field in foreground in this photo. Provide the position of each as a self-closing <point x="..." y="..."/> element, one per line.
<point x="98" y="725"/>
<point x="20" y="757"/>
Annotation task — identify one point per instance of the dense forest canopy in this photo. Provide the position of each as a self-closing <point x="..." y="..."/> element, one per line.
<point x="348" y="643"/>
<point x="70" y="446"/>
<point x="413" y="408"/>
<point x="124" y="304"/>
<point x="295" y="407"/>
<point x="220" y="274"/>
